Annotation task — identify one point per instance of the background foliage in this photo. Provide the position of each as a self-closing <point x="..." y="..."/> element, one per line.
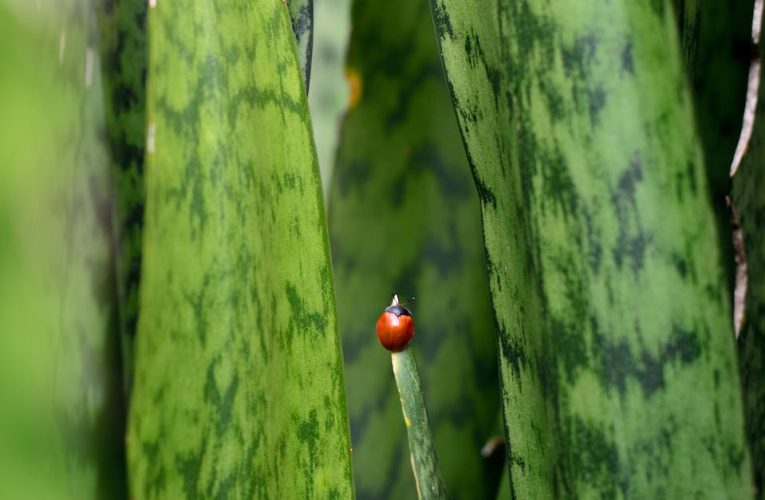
<point x="61" y="406"/>
<point x="404" y="218"/>
<point x="550" y="189"/>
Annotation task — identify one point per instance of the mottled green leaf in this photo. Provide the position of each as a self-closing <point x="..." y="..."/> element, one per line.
<point x="404" y="218"/>
<point x="238" y="386"/>
<point x="617" y="359"/>
<point x="61" y="415"/>
<point x="122" y="29"/>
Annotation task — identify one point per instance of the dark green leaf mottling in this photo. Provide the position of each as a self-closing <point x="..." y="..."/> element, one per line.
<point x="618" y="370"/>
<point x="239" y="386"/>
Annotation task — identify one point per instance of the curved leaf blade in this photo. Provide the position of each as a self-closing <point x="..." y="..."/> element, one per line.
<point x="239" y="384"/>
<point x="605" y="271"/>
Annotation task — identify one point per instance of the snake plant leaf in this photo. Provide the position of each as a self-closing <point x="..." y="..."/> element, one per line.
<point x="747" y="195"/>
<point x="61" y="416"/>
<point x="617" y="359"/>
<point x="122" y="30"/>
<point x="404" y="218"/>
<point x="301" y="16"/>
<point x="122" y="26"/>
<point x="238" y="384"/>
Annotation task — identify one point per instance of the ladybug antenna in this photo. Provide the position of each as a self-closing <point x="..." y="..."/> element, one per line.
<point x="394" y="302"/>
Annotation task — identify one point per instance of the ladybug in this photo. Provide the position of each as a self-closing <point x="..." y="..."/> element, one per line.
<point x="395" y="327"/>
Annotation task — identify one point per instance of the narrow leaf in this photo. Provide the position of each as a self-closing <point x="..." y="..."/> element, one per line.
<point x="427" y="475"/>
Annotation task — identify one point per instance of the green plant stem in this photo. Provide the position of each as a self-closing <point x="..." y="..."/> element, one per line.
<point x="427" y="475"/>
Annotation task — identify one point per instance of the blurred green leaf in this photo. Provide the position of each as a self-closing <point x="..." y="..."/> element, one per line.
<point x="328" y="96"/>
<point x="504" y="488"/>
<point x="404" y="218"/>
<point x="616" y="349"/>
<point x="239" y="384"/>
<point x="61" y="415"/>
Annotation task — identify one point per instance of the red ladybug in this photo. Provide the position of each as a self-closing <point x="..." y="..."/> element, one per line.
<point x="395" y="327"/>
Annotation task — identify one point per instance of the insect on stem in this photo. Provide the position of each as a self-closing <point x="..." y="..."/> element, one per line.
<point x="395" y="329"/>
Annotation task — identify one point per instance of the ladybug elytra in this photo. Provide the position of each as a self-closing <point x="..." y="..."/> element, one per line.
<point x="395" y="326"/>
